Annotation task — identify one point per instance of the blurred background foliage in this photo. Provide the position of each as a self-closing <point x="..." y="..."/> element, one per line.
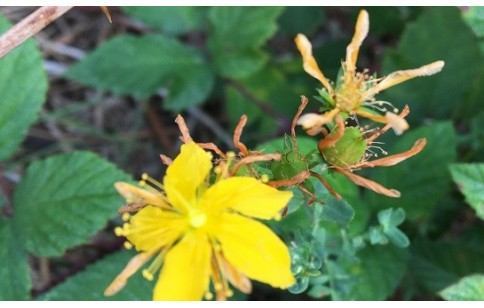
<point x="114" y="89"/>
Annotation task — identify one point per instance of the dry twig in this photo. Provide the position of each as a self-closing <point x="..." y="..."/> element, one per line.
<point x="30" y="26"/>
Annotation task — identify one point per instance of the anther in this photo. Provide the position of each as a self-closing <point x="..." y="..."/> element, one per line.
<point x="277" y="217"/>
<point x="147" y="275"/>
<point x="144" y="176"/>
<point x="218" y="286"/>
<point x="127" y="245"/>
<point x="264" y="178"/>
<point x="229" y="293"/>
<point x="118" y="231"/>
<point x="208" y="296"/>
<point x="142" y="183"/>
<point x="230" y="154"/>
<point x="126" y="216"/>
<point x="217" y="170"/>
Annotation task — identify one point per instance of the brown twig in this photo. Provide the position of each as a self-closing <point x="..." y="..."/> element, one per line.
<point x="30" y="26"/>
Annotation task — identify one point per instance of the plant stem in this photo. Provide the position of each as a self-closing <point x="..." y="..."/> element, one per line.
<point x="29" y="26"/>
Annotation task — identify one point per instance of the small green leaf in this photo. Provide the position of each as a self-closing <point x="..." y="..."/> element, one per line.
<point x="379" y="273"/>
<point x="173" y="20"/>
<point x="91" y="283"/>
<point x="440" y="95"/>
<point x="65" y="199"/>
<point x="140" y="66"/>
<point x="338" y="211"/>
<point x="469" y="288"/>
<point x="470" y="180"/>
<point x="474" y="16"/>
<point x="438" y="265"/>
<point x="422" y="178"/>
<point x="397" y="237"/>
<point x="377" y="237"/>
<point x="23" y="85"/>
<point x="15" y="283"/>
<point x="391" y="217"/>
<point x="237" y="35"/>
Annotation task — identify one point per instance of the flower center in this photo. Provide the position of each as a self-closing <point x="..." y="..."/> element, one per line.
<point x="197" y="218"/>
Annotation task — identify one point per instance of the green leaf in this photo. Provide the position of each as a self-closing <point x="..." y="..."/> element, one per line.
<point x="301" y="19"/>
<point x="15" y="283"/>
<point x="23" y="85"/>
<point x="338" y="211"/>
<point x="173" y="20"/>
<point x="470" y="181"/>
<point x="65" y="199"/>
<point x="469" y="288"/>
<point x="438" y="265"/>
<point x="140" y="66"/>
<point x="91" y="283"/>
<point x="422" y="178"/>
<point x="422" y="42"/>
<point x="272" y="91"/>
<point x="379" y="273"/>
<point x="391" y="217"/>
<point x="397" y="237"/>
<point x="237" y="36"/>
<point x="474" y="16"/>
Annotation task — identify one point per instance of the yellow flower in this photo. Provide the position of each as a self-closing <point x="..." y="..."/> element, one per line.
<point x="201" y="233"/>
<point x="355" y="92"/>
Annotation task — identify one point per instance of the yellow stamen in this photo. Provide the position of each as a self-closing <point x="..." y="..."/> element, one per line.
<point x="277" y="217"/>
<point x="147" y="275"/>
<point x="264" y="178"/>
<point x="118" y="231"/>
<point x="208" y="296"/>
<point x="128" y="245"/>
<point x="126" y="216"/>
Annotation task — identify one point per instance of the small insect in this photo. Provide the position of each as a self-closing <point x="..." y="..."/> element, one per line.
<point x="132" y="207"/>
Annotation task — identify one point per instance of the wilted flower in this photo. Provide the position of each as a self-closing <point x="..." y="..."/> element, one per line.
<point x="354" y="93"/>
<point x="199" y="232"/>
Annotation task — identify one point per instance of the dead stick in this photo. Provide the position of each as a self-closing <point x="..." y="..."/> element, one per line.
<point x="30" y="26"/>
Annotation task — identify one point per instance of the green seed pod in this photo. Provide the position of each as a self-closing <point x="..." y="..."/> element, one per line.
<point x="348" y="150"/>
<point x="291" y="164"/>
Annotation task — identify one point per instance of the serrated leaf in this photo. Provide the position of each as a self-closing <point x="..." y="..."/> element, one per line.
<point x="23" y="85"/>
<point x="15" y="283"/>
<point x="273" y="91"/>
<point x="422" y="178"/>
<point x="65" y="199"/>
<point x="469" y="288"/>
<point x="91" y="282"/>
<point x="174" y="20"/>
<point x="438" y="265"/>
<point x="470" y="181"/>
<point x="440" y="95"/>
<point x="237" y="35"/>
<point x="378" y="274"/>
<point x="140" y="66"/>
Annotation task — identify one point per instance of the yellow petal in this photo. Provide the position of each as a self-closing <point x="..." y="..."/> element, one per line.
<point x="361" y="31"/>
<point x="152" y="228"/>
<point x="245" y="195"/>
<point x="309" y="63"/>
<point x="401" y="76"/>
<point x="135" y="194"/>
<point x="187" y="172"/>
<point x="255" y="250"/>
<point x="186" y="270"/>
